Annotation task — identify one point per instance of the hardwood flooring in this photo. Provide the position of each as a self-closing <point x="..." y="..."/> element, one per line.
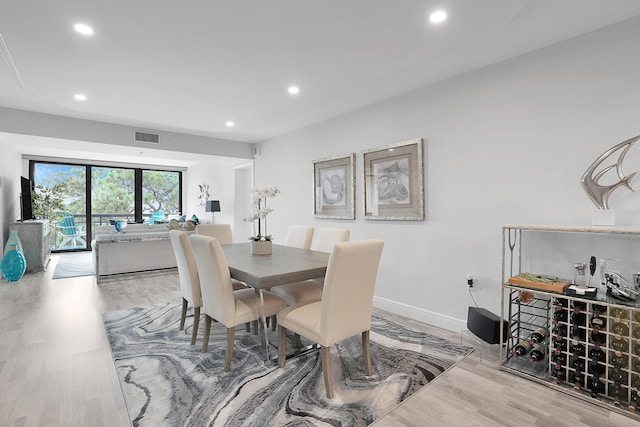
<point x="56" y="367"/>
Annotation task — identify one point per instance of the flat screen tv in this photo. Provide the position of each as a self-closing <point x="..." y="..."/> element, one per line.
<point x="26" y="209"/>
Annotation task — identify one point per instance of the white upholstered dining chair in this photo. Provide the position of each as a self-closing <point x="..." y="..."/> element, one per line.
<point x="345" y="308"/>
<point x="222" y="232"/>
<point x="311" y="290"/>
<point x="188" y="276"/>
<point x="219" y="300"/>
<point x="299" y="236"/>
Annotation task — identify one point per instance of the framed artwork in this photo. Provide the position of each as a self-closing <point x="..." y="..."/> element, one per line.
<point x="334" y="187"/>
<point x="394" y="182"/>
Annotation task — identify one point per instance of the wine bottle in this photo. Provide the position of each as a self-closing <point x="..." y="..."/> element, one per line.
<point x="578" y="373"/>
<point x="596" y="386"/>
<point x="597" y="359"/>
<point x="577" y="349"/>
<point x="578" y="333"/>
<point x="559" y="358"/>
<point x="537" y="353"/>
<point x="560" y="331"/>
<point x="597" y="322"/>
<point x="598" y="339"/>
<point x="560" y="303"/>
<point x="633" y="403"/>
<point x="560" y="374"/>
<point x="620" y="328"/>
<point x="522" y="348"/>
<point x="559" y="316"/>
<point x="559" y="344"/>
<point x="619" y="344"/>
<point x="619" y="360"/>
<point x="619" y="314"/>
<point x="619" y="378"/>
<point x="538" y="335"/>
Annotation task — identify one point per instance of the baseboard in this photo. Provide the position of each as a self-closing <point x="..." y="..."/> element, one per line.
<point x="425" y="316"/>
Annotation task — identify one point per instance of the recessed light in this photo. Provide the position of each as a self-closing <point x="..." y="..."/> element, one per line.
<point x="230" y="124"/>
<point x="438" y="16"/>
<point x="293" y="90"/>
<point x="80" y="97"/>
<point x="83" y="29"/>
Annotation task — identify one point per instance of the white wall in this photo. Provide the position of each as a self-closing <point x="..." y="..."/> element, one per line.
<point x="225" y="185"/>
<point x="505" y="144"/>
<point x="10" y="171"/>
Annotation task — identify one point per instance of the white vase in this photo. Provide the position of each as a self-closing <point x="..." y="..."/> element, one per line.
<point x="261" y="247"/>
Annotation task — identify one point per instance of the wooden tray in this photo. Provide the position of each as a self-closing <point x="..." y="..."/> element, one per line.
<point x="540" y="282"/>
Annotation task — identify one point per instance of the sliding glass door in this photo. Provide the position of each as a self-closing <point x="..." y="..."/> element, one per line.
<point x="78" y="198"/>
<point x="60" y="197"/>
<point x="112" y="195"/>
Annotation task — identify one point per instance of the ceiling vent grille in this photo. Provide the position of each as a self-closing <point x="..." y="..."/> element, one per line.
<point x="150" y="138"/>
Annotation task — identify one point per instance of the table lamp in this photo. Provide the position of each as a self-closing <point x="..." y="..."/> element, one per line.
<point x="212" y="206"/>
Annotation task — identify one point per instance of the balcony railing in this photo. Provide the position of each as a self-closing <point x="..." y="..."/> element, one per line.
<point x="60" y="241"/>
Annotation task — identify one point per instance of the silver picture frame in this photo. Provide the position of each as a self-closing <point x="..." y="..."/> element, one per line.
<point x="334" y="187"/>
<point x="393" y="178"/>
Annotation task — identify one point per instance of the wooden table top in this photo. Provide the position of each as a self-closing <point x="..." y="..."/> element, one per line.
<point x="285" y="265"/>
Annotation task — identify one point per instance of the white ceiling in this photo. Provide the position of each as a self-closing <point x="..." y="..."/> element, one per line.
<point x="189" y="66"/>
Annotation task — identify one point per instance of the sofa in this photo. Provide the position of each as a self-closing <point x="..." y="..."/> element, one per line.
<point x="139" y="247"/>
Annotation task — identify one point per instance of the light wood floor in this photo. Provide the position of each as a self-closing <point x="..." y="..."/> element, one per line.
<point x="56" y="367"/>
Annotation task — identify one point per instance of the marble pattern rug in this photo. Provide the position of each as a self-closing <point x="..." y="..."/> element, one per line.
<point x="168" y="382"/>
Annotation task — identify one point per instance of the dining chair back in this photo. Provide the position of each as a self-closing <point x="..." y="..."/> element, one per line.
<point x="328" y="237"/>
<point x="345" y="307"/>
<point x="188" y="277"/>
<point x="219" y="300"/>
<point x="222" y="232"/>
<point x="299" y="236"/>
<point x="311" y="290"/>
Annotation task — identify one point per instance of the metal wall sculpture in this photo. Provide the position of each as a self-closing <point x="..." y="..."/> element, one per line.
<point x="204" y="194"/>
<point x="598" y="193"/>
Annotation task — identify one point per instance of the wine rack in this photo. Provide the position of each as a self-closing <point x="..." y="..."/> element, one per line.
<point x="592" y="345"/>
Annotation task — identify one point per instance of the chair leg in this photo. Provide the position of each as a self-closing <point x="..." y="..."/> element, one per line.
<point x="297" y="341"/>
<point x="207" y="331"/>
<point x="366" y="351"/>
<point x="282" y="345"/>
<point x="325" y="353"/>
<point x="184" y="313"/>
<point x="231" y="335"/>
<point x="274" y="322"/>
<point x="196" y="323"/>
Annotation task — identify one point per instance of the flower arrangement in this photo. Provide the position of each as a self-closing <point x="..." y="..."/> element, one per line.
<point x="260" y="211"/>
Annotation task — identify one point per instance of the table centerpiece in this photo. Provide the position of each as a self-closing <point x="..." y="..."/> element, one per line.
<point x="261" y="243"/>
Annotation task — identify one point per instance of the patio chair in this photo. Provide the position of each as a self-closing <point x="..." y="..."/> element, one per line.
<point x="156" y="217"/>
<point x="72" y="234"/>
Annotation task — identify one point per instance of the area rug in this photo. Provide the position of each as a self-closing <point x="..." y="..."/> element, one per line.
<point x="74" y="265"/>
<point x="168" y="382"/>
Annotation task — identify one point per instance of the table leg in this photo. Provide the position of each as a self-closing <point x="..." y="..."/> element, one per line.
<point x="262" y="323"/>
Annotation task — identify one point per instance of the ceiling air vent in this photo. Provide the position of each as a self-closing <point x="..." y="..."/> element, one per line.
<point x="151" y="138"/>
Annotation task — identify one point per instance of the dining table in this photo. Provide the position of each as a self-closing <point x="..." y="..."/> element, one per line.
<point x="285" y="264"/>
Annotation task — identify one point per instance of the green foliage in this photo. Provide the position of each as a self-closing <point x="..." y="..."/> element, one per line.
<point x="160" y="192"/>
<point x="113" y="190"/>
<point x="63" y="187"/>
<point x="48" y="200"/>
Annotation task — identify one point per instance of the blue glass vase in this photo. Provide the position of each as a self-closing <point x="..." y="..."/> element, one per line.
<point x="13" y="265"/>
<point x="13" y="242"/>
